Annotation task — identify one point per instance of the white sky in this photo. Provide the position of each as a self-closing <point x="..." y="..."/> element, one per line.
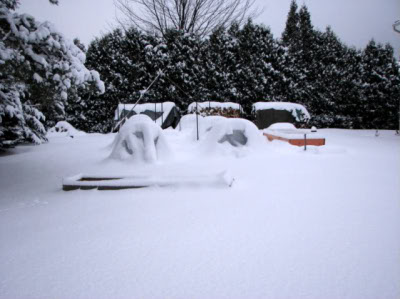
<point x="354" y="21"/>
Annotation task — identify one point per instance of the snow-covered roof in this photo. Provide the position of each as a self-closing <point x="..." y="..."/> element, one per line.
<point x="205" y="105"/>
<point x="290" y="107"/>
<point x="164" y="107"/>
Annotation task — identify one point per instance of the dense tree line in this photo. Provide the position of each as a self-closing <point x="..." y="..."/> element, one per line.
<point x="341" y="86"/>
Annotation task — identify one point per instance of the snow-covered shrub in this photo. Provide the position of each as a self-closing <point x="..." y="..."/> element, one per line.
<point x="234" y="132"/>
<point x="63" y="128"/>
<point x="188" y="122"/>
<point x="140" y="139"/>
<point x="209" y="122"/>
<point x="39" y="67"/>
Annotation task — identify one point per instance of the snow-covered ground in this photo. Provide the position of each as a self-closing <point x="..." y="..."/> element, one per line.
<point x="318" y="224"/>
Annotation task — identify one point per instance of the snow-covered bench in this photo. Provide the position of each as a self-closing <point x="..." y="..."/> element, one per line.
<point x="289" y="133"/>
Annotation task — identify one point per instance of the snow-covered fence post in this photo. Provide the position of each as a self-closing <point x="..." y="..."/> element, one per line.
<point x="305" y="142"/>
<point x="162" y="113"/>
<point x="197" y="120"/>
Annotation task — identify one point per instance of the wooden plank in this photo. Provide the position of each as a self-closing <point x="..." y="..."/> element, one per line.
<point x="86" y="182"/>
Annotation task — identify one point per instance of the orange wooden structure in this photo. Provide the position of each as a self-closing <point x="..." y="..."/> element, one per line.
<point x="297" y="141"/>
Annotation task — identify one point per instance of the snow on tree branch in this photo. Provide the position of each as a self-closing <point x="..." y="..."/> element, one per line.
<point x="40" y="67"/>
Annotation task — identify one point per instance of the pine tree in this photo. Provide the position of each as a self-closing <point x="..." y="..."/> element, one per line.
<point x="221" y="62"/>
<point x="380" y="87"/>
<point x="290" y="35"/>
<point x="260" y="62"/>
<point x="183" y="71"/>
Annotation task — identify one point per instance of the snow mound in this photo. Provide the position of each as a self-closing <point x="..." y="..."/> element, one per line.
<point x="206" y="123"/>
<point x="140" y="139"/>
<point x="282" y="126"/>
<point x="298" y="111"/>
<point x="188" y="122"/>
<point x="232" y="132"/>
<point x="64" y="129"/>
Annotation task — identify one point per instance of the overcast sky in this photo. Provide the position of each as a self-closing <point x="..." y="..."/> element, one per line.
<point x="354" y="21"/>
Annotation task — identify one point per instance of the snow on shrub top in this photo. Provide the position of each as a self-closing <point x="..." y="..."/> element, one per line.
<point x="141" y="140"/>
<point x="188" y="122"/>
<point x="205" y="105"/>
<point x="298" y="111"/>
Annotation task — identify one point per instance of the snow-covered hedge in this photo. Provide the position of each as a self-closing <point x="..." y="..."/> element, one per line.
<point x="140" y="140"/>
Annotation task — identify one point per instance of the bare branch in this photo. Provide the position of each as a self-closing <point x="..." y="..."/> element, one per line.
<point x="200" y="17"/>
<point x="396" y="26"/>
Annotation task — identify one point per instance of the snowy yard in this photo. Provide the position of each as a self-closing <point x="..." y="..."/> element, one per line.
<point x="318" y="224"/>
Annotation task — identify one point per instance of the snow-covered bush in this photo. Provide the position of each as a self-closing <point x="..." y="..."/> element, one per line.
<point x="234" y="132"/>
<point x="39" y="67"/>
<point x="63" y="128"/>
<point x="188" y="123"/>
<point x="140" y="139"/>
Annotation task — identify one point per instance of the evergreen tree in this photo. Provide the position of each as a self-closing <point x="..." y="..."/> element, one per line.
<point x="259" y="75"/>
<point x="291" y="33"/>
<point x="112" y="56"/>
<point x="184" y="73"/>
<point x="221" y="62"/>
<point x="38" y="67"/>
<point x="381" y="87"/>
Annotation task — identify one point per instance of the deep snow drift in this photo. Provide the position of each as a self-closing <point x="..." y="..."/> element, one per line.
<point x="317" y="224"/>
